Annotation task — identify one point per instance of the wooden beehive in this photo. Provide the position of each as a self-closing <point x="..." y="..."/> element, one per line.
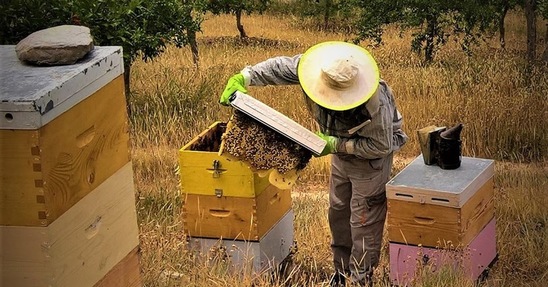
<point x="235" y="217"/>
<point x="470" y="261"/>
<point x="433" y="207"/>
<point x="203" y="171"/>
<point x="256" y="256"/>
<point x="224" y="197"/>
<point x="67" y="211"/>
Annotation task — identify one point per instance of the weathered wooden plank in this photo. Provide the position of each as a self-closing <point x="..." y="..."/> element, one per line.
<point x="59" y="164"/>
<point x="234" y="217"/>
<point x="124" y="274"/>
<point x="81" y="246"/>
<point x="440" y="226"/>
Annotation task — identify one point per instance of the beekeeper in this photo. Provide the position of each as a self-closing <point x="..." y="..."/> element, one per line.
<point x="357" y="116"/>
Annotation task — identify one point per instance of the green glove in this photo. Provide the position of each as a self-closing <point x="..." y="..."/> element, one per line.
<point x="331" y="145"/>
<point x="235" y="83"/>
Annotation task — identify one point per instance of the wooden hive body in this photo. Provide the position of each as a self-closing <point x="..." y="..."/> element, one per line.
<point x="81" y="246"/>
<point x="440" y="226"/>
<point x="67" y="205"/>
<point x="406" y="261"/>
<point x="239" y="218"/>
<point x="203" y="171"/>
<point x="50" y="163"/>
<point x="432" y="207"/>
<point x="255" y="256"/>
<point x="224" y="197"/>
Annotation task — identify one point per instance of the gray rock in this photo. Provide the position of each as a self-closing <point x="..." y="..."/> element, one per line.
<point x="60" y="45"/>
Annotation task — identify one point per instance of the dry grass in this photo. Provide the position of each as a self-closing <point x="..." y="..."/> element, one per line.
<point x="503" y="108"/>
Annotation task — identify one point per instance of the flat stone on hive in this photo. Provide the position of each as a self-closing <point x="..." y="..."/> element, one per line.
<point x="60" y="45"/>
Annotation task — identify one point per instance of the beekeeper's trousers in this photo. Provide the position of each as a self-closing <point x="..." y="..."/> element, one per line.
<point x="357" y="212"/>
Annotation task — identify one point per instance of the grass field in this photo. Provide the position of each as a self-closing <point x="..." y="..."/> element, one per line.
<point x="504" y="111"/>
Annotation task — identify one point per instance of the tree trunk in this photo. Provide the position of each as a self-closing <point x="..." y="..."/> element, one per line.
<point x="239" y="24"/>
<point x="502" y="32"/>
<point x="545" y="54"/>
<point x="326" y="14"/>
<point x="531" y="30"/>
<point x="193" y="46"/>
<point x="191" y="34"/>
<point x="430" y="35"/>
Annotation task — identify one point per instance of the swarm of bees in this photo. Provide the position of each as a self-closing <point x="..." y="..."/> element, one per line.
<point x="261" y="147"/>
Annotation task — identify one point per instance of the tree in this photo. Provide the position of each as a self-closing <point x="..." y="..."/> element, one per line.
<point x="543" y="11"/>
<point x="531" y="17"/>
<point x="433" y="22"/>
<point x="328" y="10"/>
<point x="142" y="27"/>
<point x="236" y="7"/>
<point x="502" y="8"/>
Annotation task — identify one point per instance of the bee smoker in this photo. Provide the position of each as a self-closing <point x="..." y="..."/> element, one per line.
<point x="441" y="146"/>
<point x="449" y="148"/>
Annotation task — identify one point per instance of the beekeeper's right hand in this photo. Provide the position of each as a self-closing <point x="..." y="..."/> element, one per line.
<point x="235" y="83"/>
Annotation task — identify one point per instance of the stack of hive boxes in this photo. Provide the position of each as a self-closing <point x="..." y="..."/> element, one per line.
<point x="67" y="204"/>
<point x="440" y="218"/>
<point x="230" y="207"/>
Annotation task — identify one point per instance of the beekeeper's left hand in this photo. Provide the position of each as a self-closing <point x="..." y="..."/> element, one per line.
<point x="235" y="83"/>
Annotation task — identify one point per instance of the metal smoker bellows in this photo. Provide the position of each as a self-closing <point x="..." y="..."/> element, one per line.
<point x="277" y="122"/>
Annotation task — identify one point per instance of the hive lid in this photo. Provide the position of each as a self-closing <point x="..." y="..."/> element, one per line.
<point x="31" y="96"/>
<point x="430" y="184"/>
<point x="277" y="122"/>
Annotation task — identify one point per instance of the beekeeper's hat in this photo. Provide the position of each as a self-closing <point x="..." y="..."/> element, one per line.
<point x="338" y="75"/>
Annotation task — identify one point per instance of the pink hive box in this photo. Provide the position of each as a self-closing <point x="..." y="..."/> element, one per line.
<point x="474" y="260"/>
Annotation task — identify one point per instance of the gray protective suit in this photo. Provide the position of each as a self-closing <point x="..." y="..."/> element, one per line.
<point x="360" y="167"/>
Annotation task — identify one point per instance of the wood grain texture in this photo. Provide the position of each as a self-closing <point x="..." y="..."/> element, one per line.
<point x="124" y="274"/>
<point x="234" y="217"/>
<point x="64" y="160"/>
<point x="81" y="246"/>
<point x="21" y="200"/>
<point x="74" y="165"/>
<point x="439" y="226"/>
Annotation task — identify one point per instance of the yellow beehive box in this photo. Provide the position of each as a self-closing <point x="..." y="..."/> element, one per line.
<point x="433" y="207"/>
<point x="63" y="131"/>
<point x="203" y="171"/>
<point x="225" y="197"/>
<point x="235" y="217"/>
